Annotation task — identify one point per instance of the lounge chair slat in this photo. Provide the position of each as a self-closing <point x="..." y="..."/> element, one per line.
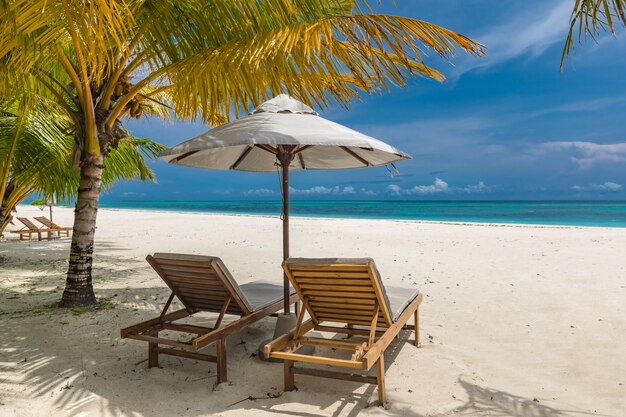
<point x="192" y="269"/>
<point x="331" y="268"/>
<point x="202" y="278"/>
<point x="204" y="263"/>
<point x="201" y="284"/>
<point x="345" y="276"/>
<point x="347" y="306"/>
<point x="53" y="226"/>
<point x="320" y="311"/>
<point x="336" y="288"/>
<point x="343" y="318"/>
<point x="202" y="294"/>
<point x="341" y="309"/>
<point x="342" y="299"/>
<point x="199" y="289"/>
<point x="188" y="328"/>
<point x="348" y="292"/>
<point x="339" y="294"/>
<point x="347" y="282"/>
<point x="161" y="341"/>
<point x="30" y="228"/>
<point x="319" y="360"/>
<point x="189" y="355"/>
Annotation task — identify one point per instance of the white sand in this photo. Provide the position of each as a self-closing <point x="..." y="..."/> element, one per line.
<point x="517" y="321"/>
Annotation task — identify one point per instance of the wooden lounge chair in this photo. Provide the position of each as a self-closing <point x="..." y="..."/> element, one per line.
<point x="29" y="229"/>
<point x="203" y="283"/>
<point x="53" y="226"/>
<point x="347" y="292"/>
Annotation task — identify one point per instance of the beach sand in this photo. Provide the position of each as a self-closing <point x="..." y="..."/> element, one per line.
<point x="516" y="321"/>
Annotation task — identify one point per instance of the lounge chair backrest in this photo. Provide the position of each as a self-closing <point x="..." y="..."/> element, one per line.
<point x="47" y="222"/>
<point x="201" y="283"/>
<point x="30" y="225"/>
<point x="340" y="290"/>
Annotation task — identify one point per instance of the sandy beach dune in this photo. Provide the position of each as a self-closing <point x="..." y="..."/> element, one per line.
<point x="517" y="320"/>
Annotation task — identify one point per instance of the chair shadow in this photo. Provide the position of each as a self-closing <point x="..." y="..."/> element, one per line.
<point x="90" y="365"/>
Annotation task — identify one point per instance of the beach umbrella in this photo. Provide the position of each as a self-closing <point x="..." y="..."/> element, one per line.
<point x="282" y="134"/>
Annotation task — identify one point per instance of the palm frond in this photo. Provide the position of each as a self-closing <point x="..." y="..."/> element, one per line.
<point x="312" y="60"/>
<point x="591" y="17"/>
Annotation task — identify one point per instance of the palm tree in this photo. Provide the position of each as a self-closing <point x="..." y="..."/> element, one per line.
<point x="103" y="59"/>
<point x="590" y="17"/>
<point x="35" y="153"/>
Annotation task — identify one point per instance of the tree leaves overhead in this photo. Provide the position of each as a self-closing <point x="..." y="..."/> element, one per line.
<point x="331" y="57"/>
<point x="41" y="161"/>
<point x="590" y="17"/>
<point x="217" y="57"/>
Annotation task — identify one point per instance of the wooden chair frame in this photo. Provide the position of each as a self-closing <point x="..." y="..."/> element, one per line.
<point x="205" y="336"/>
<point x="30" y="228"/>
<point x="380" y="331"/>
<point x="53" y="226"/>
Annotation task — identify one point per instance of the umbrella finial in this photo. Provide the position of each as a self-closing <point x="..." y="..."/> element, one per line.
<point x="283" y="103"/>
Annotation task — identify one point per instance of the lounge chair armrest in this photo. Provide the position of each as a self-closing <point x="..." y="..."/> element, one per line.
<point x="235" y="326"/>
<point x="144" y="325"/>
<point x="281" y="342"/>
<point x="385" y="340"/>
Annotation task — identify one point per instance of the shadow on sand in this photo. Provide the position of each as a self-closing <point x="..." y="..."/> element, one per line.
<point x="79" y="364"/>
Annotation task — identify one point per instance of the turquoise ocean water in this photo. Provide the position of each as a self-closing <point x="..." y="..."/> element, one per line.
<point x="572" y="213"/>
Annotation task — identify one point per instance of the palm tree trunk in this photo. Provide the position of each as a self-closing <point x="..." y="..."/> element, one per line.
<point x="78" y="287"/>
<point x="6" y="208"/>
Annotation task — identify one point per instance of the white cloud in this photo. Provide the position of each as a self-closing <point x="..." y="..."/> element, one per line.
<point x="437" y="187"/>
<point x="588" y="154"/>
<point x="528" y="34"/>
<point x="478" y="188"/>
<point x="316" y="190"/>
<point x="259" y="192"/>
<point x="579" y="106"/>
<point x="321" y="190"/>
<point x="605" y="186"/>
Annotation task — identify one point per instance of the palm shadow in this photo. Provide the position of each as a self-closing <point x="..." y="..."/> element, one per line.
<point x="90" y="364"/>
<point x="80" y="364"/>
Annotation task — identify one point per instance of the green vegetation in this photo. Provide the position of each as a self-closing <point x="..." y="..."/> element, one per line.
<point x="98" y="62"/>
<point x="35" y="155"/>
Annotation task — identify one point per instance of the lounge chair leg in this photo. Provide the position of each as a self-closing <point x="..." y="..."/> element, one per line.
<point x="380" y="377"/>
<point x="153" y="352"/>
<point x="416" y="325"/>
<point x="221" y="361"/>
<point x="290" y="383"/>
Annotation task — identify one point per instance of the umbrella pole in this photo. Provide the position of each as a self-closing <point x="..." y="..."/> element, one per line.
<point x="285" y="177"/>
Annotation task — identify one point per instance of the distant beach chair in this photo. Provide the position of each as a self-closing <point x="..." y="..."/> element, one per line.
<point x="53" y="226"/>
<point x="203" y="283"/>
<point x="29" y="229"/>
<point x="349" y="292"/>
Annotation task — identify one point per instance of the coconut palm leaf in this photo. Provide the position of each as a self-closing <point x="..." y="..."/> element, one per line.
<point x="102" y="61"/>
<point x="589" y="18"/>
<point x="40" y="159"/>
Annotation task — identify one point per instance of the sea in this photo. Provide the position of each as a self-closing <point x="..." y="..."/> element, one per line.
<point x="566" y="213"/>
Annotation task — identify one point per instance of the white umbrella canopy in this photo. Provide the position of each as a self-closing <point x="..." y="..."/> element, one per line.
<point x="251" y="143"/>
<point x="286" y="133"/>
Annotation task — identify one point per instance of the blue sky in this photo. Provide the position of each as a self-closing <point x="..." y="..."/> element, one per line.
<point x="507" y="126"/>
